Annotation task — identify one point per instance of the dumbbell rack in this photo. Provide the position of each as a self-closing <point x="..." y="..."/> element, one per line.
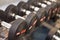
<point x="28" y="36"/>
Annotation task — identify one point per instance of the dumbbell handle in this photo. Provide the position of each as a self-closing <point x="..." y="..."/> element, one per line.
<point x="58" y="15"/>
<point x="5" y="24"/>
<point x="56" y="37"/>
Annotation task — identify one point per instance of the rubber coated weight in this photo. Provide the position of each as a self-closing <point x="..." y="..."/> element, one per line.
<point x="41" y="15"/>
<point x="31" y="22"/>
<point x="17" y="26"/>
<point x="11" y="9"/>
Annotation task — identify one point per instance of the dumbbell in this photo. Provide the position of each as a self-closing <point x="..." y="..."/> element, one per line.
<point x="11" y="30"/>
<point x="31" y="19"/>
<point x="5" y="17"/>
<point x="9" y="10"/>
<point x="54" y="32"/>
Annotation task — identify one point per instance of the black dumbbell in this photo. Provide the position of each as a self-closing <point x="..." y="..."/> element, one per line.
<point x="20" y="5"/>
<point x="12" y="29"/>
<point x="10" y="10"/>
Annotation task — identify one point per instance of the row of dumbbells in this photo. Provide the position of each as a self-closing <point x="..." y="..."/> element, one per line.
<point x="28" y="16"/>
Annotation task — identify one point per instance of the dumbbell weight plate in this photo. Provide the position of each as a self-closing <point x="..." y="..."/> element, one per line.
<point x="17" y="26"/>
<point x="31" y="22"/>
<point x="41" y="16"/>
